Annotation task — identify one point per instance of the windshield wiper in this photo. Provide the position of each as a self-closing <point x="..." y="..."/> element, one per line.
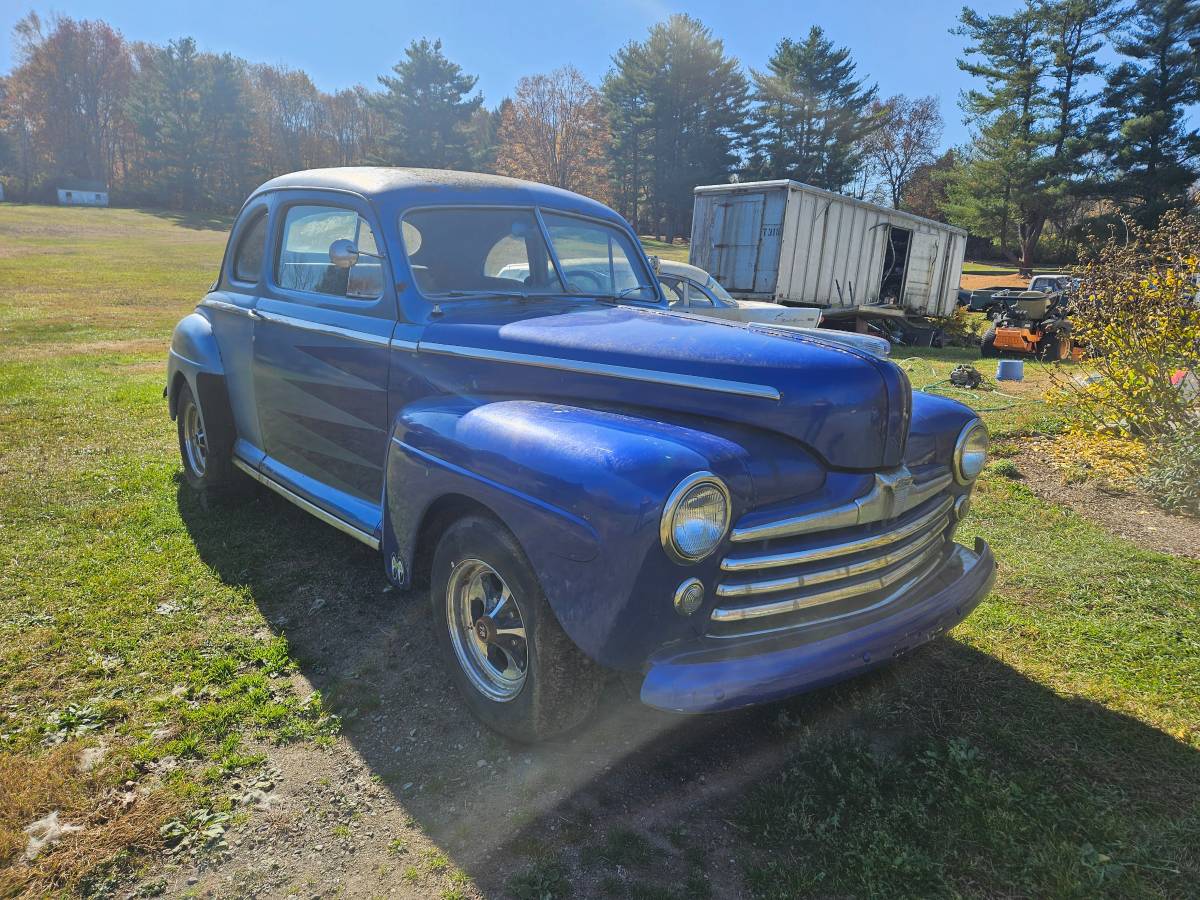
<point x="458" y="295"/>
<point x="618" y="297"/>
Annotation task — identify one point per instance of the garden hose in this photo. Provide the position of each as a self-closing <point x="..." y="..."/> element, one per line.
<point x="943" y="387"/>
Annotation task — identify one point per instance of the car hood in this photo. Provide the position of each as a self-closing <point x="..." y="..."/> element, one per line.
<point x="850" y="408"/>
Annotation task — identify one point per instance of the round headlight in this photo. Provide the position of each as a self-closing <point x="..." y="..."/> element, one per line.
<point x="970" y="453"/>
<point x="695" y="518"/>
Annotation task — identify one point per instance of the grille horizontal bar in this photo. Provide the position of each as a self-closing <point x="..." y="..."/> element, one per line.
<point x="892" y="495"/>
<point x="843" y="592"/>
<point x="857" y="545"/>
<point x="848" y="570"/>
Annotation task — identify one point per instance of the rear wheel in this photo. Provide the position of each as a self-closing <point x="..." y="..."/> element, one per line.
<point x="207" y="457"/>
<point x="517" y="670"/>
<point x="987" y="344"/>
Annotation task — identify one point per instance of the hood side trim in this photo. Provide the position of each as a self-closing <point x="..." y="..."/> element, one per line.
<point x="629" y="373"/>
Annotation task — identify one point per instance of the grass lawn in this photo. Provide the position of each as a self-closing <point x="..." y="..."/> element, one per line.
<point x="655" y="247"/>
<point x="1050" y="746"/>
<point x="972" y="267"/>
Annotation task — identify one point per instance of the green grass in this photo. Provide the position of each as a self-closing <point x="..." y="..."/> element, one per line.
<point x="655" y="247"/>
<point x="112" y="627"/>
<point x="1050" y="747"/>
<point x="971" y="267"/>
<point x="1050" y="750"/>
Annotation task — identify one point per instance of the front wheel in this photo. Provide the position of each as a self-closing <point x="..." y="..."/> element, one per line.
<point x="511" y="661"/>
<point x="987" y="345"/>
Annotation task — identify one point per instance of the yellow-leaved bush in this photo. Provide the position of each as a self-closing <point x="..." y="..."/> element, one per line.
<point x="1137" y="318"/>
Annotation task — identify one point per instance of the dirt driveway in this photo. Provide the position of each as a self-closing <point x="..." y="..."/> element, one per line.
<point x="414" y="796"/>
<point x="975" y="282"/>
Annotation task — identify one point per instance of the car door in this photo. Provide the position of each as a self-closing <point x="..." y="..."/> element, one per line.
<point x="321" y="358"/>
<point x="230" y="308"/>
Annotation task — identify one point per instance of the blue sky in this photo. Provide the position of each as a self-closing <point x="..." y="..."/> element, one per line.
<point x="905" y="48"/>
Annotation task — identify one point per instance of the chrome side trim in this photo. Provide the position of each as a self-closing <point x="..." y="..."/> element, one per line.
<point x="362" y="337"/>
<point x="853" y="570"/>
<point x="897" y="594"/>
<point x="653" y="376"/>
<point x="794" y="604"/>
<point x="798" y="557"/>
<point x="893" y="494"/>
<point x="401" y="344"/>
<point x="327" y="517"/>
<point x="229" y="307"/>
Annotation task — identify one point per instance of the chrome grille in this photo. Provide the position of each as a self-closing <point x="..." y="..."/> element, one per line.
<point x="801" y="573"/>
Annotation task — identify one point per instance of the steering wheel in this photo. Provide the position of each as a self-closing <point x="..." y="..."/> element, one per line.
<point x="585" y="282"/>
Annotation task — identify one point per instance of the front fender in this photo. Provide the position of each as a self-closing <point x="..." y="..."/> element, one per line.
<point x="194" y="352"/>
<point x="583" y="491"/>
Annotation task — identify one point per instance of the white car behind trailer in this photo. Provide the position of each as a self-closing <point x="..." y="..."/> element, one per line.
<point x="792" y="243"/>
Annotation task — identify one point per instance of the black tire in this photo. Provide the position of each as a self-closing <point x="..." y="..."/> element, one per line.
<point x="559" y="686"/>
<point x="209" y="469"/>
<point x="1051" y="347"/>
<point x="987" y="344"/>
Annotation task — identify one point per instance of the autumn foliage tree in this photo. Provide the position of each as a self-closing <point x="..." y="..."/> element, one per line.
<point x="68" y="91"/>
<point x="908" y="137"/>
<point x="555" y="130"/>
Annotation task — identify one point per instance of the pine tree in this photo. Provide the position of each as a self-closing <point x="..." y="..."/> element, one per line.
<point x="191" y="112"/>
<point x="678" y="120"/>
<point x="1152" y="151"/>
<point x="426" y="111"/>
<point x="811" y="114"/>
<point x="1009" y="154"/>
<point x="165" y="106"/>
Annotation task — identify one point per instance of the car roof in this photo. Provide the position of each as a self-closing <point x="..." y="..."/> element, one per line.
<point x="682" y="270"/>
<point x="398" y="189"/>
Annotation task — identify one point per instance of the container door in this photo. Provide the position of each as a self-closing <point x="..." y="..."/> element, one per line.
<point x="738" y="222"/>
<point x="770" y="242"/>
<point x="922" y="270"/>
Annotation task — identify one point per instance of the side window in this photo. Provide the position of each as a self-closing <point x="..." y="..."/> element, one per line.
<point x="696" y="296"/>
<point x="248" y="258"/>
<point x="672" y="290"/>
<point x="304" y="263"/>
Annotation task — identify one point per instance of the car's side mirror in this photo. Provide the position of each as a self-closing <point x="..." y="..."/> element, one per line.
<point x="343" y="253"/>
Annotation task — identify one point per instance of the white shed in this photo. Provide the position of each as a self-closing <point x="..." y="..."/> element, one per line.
<point x="74" y="192"/>
<point x="794" y="243"/>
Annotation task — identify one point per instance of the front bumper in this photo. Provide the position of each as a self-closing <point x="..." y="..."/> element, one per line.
<point x="713" y="674"/>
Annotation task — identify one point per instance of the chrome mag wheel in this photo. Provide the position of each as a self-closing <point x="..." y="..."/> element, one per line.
<point x="487" y="630"/>
<point x="195" y="442"/>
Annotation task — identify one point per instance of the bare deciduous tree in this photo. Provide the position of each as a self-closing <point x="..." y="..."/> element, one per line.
<point x="555" y="131"/>
<point x="907" y="140"/>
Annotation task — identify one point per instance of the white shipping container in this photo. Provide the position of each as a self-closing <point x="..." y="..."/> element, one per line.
<point x="794" y="243"/>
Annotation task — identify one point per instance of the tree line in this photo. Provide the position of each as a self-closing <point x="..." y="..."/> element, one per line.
<point x="1058" y="140"/>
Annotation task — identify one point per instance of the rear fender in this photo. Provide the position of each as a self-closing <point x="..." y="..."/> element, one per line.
<point x="193" y="351"/>
<point x="582" y="490"/>
<point x="195" y="359"/>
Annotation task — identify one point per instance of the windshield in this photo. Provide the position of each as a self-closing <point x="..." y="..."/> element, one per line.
<point x="482" y="251"/>
<point x="597" y="259"/>
<point x="463" y="251"/>
<point x="714" y="288"/>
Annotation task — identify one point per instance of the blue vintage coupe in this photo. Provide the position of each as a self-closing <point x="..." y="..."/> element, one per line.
<point x="586" y="480"/>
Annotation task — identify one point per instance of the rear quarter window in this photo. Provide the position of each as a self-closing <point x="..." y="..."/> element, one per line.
<point x="248" y="257"/>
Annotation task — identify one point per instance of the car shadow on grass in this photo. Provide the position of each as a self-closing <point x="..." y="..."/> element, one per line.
<point x="195" y="220"/>
<point x="947" y="773"/>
